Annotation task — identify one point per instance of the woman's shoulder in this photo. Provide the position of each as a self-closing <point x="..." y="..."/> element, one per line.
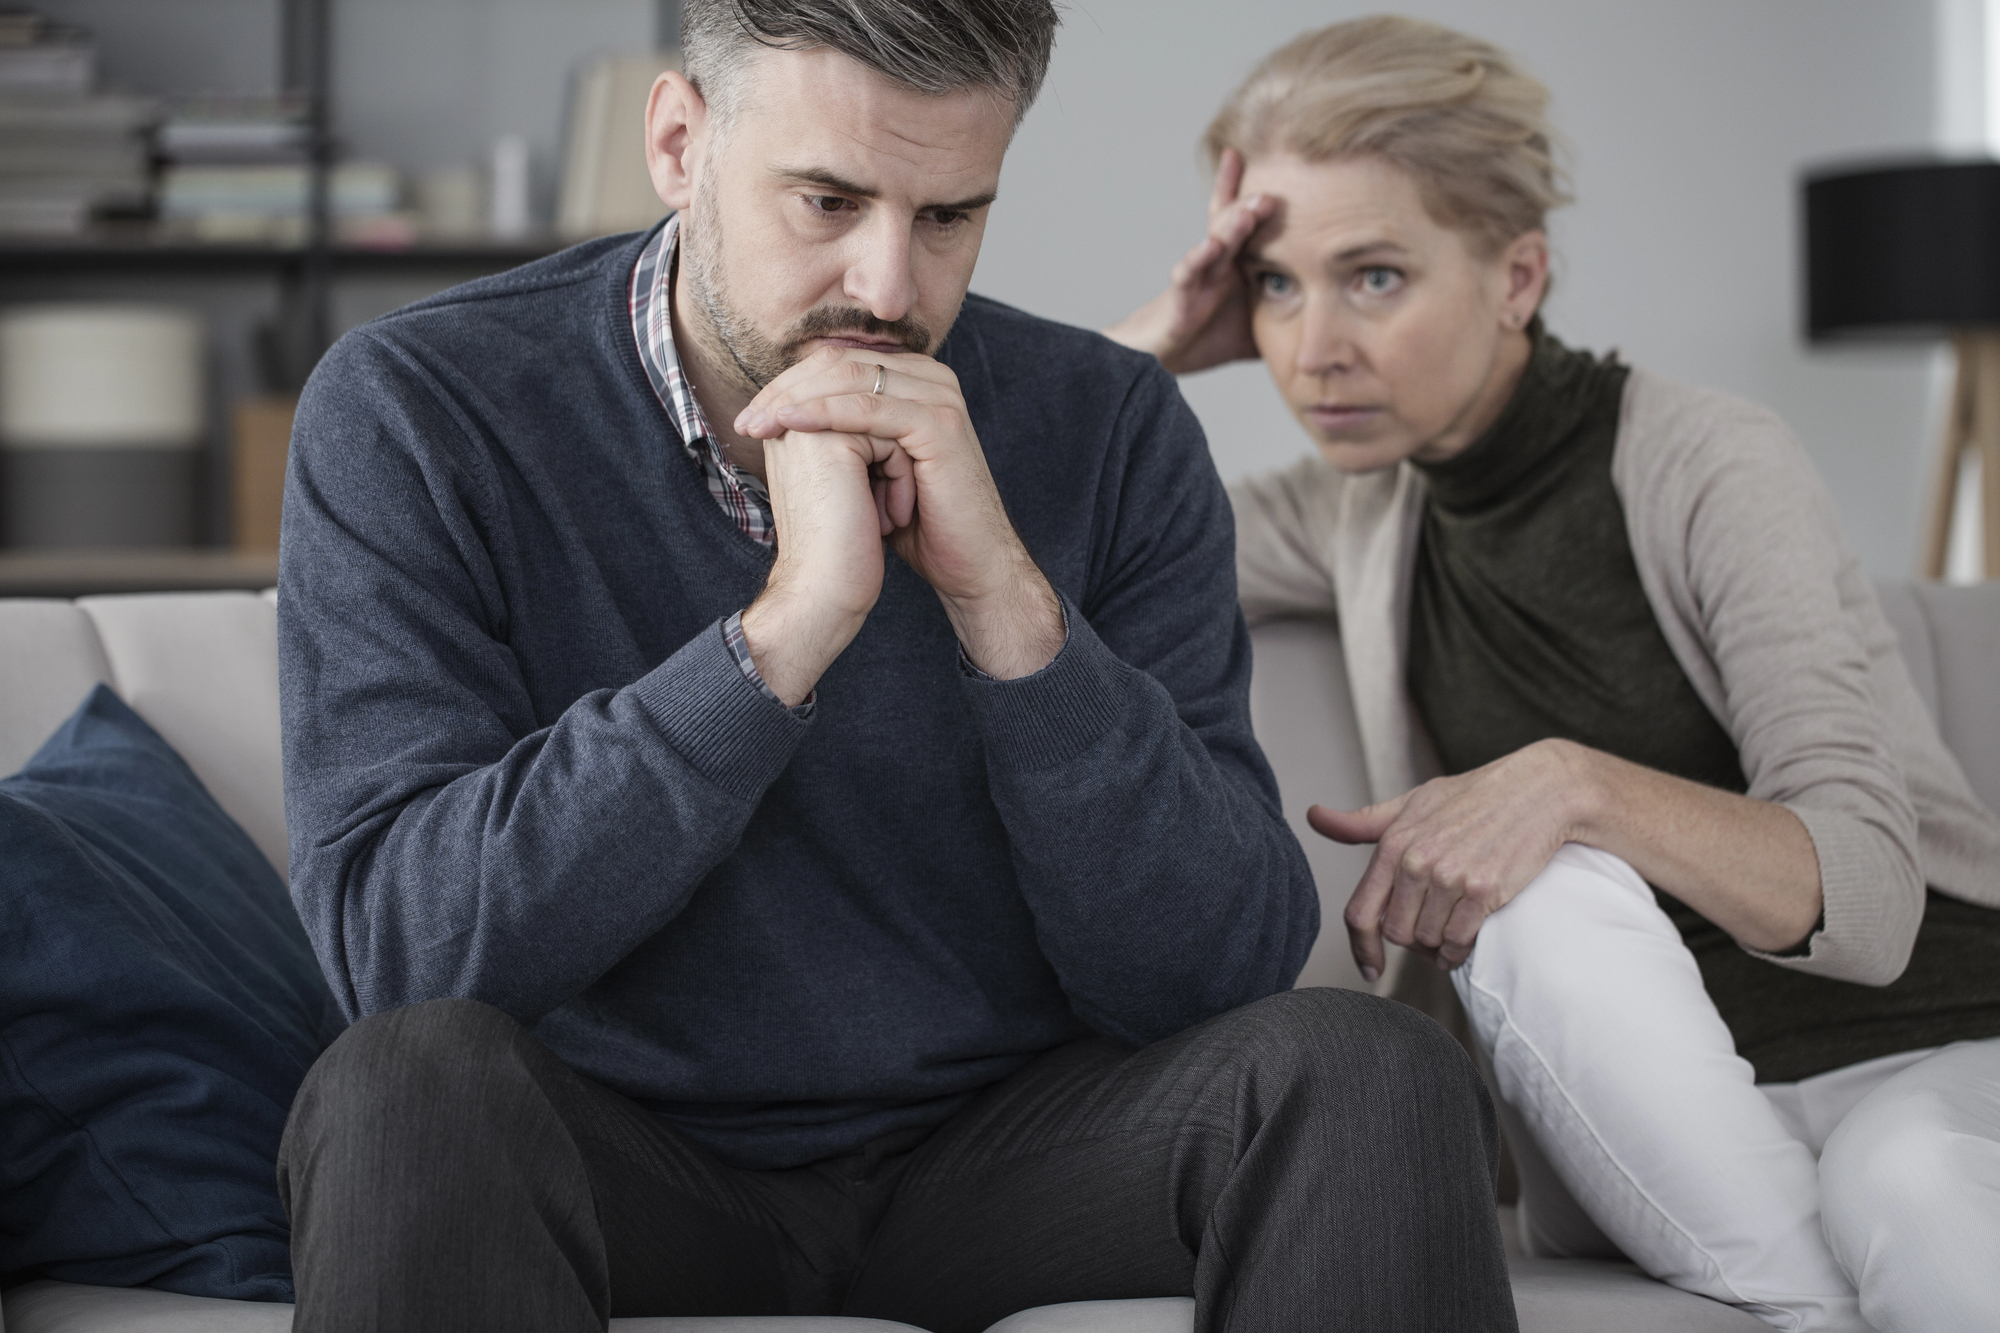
<point x="1679" y="438"/>
<point x="1662" y="412"/>
<point x="1311" y="492"/>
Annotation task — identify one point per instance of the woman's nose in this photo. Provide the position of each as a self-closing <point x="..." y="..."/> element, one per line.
<point x="1326" y="345"/>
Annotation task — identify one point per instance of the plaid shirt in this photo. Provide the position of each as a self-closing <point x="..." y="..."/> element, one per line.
<point x="742" y="496"/>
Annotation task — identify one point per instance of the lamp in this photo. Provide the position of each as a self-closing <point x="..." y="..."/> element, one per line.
<point x="1914" y="250"/>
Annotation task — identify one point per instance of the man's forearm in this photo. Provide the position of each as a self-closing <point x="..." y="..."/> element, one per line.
<point x="1165" y="882"/>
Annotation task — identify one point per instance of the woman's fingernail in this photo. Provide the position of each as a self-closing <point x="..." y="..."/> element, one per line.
<point x="1369" y="975"/>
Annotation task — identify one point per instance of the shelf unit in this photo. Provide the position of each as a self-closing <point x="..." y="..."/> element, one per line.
<point x="141" y="250"/>
<point x="122" y="259"/>
<point x="89" y="573"/>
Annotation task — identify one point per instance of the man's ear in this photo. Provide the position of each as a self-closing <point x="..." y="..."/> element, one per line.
<point x="676" y="133"/>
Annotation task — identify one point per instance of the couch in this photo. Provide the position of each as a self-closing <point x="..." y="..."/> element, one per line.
<point x="202" y="669"/>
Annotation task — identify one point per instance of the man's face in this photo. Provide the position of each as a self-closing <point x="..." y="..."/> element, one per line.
<point x="840" y="208"/>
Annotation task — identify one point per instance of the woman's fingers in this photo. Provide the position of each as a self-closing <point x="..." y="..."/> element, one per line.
<point x="1461" y="931"/>
<point x="1228" y="179"/>
<point x="1363" y="917"/>
<point x="1367" y="824"/>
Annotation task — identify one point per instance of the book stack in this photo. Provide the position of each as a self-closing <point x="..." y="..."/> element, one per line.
<point x="237" y="169"/>
<point x="66" y="155"/>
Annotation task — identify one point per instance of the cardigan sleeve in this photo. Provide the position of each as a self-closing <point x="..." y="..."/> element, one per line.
<point x="1737" y="542"/>
<point x="1281" y="540"/>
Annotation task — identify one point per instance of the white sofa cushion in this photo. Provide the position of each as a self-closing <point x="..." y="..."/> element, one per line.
<point x="63" y="1307"/>
<point x="49" y="658"/>
<point x="201" y="668"/>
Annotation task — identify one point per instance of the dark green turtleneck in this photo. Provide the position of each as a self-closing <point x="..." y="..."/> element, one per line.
<point x="1528" y="621"/>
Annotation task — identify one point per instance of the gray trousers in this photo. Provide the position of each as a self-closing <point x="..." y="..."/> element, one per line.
<point x="1319" y="1160"/>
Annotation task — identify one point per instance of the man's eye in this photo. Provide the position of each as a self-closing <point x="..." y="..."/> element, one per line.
<point x="1275" y="284"/>
<point x="1380" y="281"/>
<point x="947" y="217"/>
<point x="827" y="203"/>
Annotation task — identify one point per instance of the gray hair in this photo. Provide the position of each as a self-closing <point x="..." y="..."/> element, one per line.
<point x="929" y="46"/>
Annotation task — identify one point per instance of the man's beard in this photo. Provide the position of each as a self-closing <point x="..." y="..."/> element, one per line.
<point x="757" y="358"/>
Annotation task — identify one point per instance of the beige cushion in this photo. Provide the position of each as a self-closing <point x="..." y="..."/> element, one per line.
<point x="1585" y="1296"/>
<point x="1304" y="717"/>
<point x="1165" y="1314"/>
<point x="1964" y="632"/>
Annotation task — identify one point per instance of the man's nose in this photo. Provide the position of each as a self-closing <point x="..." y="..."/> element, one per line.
<point x="880" y="277"/>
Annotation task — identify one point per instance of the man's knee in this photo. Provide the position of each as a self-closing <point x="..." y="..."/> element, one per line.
<point x="1345" y="1050"/>
<point x="404" y="1087"/>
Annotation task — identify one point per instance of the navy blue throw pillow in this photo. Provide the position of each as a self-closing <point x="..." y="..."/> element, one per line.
<point x="159" y="1006"/>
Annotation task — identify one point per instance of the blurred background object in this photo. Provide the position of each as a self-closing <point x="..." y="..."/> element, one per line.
<point x="67" y="153"/>
<point x="605" y="187"/>
<point x="101" y="413"/>
<point x="261" y="441"/>
<point x="1685" y="251"/>
<point x="1913" y="250"/>
<point x="282" y="170"/>
<point x="509" y="209"/>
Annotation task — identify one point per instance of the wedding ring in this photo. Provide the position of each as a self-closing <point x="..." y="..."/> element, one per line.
<point x="881" y="378"/>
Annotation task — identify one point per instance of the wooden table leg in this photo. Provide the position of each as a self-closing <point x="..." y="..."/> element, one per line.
<point x="1986" y="433"/>
<point x="1951" y="449"/>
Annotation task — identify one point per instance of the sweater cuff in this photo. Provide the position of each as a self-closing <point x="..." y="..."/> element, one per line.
<point x="1865" y="933"/>
<point x="1048" y="718"/>
<point x="733" y="733"/>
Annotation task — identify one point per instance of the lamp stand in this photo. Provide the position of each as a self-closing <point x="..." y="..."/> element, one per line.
<point x="1973" y="422"/>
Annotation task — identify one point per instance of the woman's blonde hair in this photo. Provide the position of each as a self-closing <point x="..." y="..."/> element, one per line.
<point x="1466" y="123"/>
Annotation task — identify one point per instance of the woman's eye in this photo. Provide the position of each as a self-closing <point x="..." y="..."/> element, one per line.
<point x="1275" y="284"/>
<point x="1378" y="281"/>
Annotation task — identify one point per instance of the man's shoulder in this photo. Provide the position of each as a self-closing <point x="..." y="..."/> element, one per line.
<point x="1008" y="345"/>
<point x="505" y="336"/>
<point x="571" y="285"/>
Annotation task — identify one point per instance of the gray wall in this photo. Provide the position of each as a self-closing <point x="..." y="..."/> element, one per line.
<point x="1690" y="122"/>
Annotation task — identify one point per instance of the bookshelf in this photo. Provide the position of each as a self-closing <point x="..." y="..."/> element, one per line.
<point x="90" y="573"/>
<point x="256" y="296"/>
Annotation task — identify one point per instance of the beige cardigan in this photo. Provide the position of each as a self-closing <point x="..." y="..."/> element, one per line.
<point x="1765" y="609"/>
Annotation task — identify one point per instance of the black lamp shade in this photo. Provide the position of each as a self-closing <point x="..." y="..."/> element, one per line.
<point x="1910" y="249"/>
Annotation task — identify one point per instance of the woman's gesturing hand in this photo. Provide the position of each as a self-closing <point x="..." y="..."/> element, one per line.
<point x="1203" y="318"/>
<point x="1452" y="852"/>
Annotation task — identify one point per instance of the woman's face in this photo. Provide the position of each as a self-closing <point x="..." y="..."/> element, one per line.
<point x="1388" y="334"/>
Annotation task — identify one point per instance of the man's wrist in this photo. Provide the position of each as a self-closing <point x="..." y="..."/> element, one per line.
<point x="1012" y="632"/>
<point x="792" y="644"/>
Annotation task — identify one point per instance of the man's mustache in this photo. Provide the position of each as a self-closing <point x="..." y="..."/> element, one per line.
<point x="854" y="322"/>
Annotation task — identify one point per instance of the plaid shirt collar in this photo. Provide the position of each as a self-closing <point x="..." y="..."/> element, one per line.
<point x="742" y="497"/>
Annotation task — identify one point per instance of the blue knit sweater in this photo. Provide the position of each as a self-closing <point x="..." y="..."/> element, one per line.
<point x="522" y="767"/>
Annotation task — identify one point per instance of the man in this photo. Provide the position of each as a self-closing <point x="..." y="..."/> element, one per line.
<point x="744" y="918"/>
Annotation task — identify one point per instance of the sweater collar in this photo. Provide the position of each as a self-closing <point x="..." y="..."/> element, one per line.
<point x="1548" y="409"/>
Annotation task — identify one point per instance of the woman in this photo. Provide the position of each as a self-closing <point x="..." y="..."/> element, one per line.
<point x="1634" y="719"/>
